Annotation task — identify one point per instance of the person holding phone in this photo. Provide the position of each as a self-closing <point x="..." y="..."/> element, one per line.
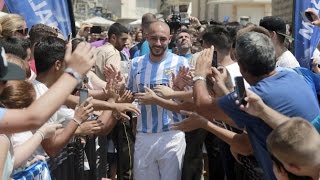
<point x="256" y="59"/>
<point x="50" y="66"/>
<point x="220" y="38"/>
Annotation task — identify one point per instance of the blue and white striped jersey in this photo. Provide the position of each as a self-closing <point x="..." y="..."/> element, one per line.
<point x="144" y="72"/>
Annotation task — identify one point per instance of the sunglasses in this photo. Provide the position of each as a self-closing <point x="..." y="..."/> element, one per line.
<point x="24" y="31"/>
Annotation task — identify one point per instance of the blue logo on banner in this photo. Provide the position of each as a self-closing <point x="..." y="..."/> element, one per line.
<point x="53" y="13"/>
<point x="306" y="36"/>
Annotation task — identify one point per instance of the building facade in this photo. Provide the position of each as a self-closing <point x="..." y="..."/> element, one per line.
<point x="283" y="9"/>
<point x="232" y="10"/>
<point x="126" y="11"/>
<point x="118" y="10"/>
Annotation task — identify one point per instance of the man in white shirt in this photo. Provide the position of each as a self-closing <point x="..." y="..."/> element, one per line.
<point x="277" y="28"/>
<point x="49" y="56"/>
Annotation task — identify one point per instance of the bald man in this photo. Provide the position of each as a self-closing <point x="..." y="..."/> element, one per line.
<point x="158" y="150"/>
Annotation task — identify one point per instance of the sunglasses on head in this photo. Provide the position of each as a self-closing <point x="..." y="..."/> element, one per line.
<point x="24" y="31"/>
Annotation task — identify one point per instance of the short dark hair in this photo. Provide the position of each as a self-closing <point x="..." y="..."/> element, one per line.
<point x="233" y="28"/>
<point x="16" y="46"/>
<point x="47" y="51"/>
<point x="276" y="24"/>
<point x="219" y="37"/>
<point x="117" y="29"/>
<point x="38" y="31"/>
<point x="255" y="52"/>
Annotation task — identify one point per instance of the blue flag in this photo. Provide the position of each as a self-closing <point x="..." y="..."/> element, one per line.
<point x="306" y="35"/>
<point x="53" y="13"/>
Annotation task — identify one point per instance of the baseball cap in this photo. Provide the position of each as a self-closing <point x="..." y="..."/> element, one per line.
<point x="274" y="23"/>
<point x="10" y="71"/>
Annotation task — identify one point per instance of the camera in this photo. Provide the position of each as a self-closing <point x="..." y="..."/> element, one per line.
<point x="175" y="22"/>
<point x="180" y="17"/>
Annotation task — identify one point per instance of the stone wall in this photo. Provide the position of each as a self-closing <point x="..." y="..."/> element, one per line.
<point x="283" y="9"/>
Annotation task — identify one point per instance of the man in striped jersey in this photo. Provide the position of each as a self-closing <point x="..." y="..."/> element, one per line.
<point x="158" y="150"/>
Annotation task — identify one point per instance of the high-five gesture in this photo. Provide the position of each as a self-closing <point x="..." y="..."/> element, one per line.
<point x="204" y="61"/>
<point x="182" y="79"/>
<point x="110" y="72"/>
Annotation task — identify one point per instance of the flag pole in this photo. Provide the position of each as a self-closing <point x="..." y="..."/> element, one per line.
<point x="72" y="20"/>
<point x="293" y="25"/>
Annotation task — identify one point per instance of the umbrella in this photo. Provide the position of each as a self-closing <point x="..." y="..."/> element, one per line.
<point x="136" y="22"/>
<point x="99" y="21"/>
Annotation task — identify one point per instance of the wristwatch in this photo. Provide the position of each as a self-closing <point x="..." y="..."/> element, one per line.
<point x="196" y="78"/>
<point x="74" y="74"/>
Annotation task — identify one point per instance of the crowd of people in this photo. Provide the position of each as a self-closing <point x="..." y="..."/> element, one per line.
<point x="165" y="100"/>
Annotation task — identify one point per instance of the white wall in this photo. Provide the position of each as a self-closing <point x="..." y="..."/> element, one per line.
<point x="132" y="9"/>
<point x="226" y="9"/>
<point x="128" y="9"/>
<point x="145" y="6"/>
<point x="114" y="6"/>
<point x="255" y="13"/>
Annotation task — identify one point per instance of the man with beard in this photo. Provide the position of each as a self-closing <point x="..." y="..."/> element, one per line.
<point x="158" y="150"/>
<point x="184" y="44"/>
<point x="121" y="135"/>
<point x="110" y="53"/>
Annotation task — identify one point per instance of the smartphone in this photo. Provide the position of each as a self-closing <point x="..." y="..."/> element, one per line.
<point x="306" y="16"/>
<point x="240" y="89"/>
<point x="84" y="93"/>
<point x="69" y="37"/>
<point x="215" y="59"/>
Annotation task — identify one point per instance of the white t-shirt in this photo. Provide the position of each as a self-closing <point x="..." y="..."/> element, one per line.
<point x="288" y="60"/>
<point x="20" y="138"/>
<point x="63" y="115"/>
<point x="234" y="71"/>
<point x="41" y="89"/>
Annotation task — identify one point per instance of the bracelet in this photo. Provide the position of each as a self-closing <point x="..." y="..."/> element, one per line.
<point x="41" y="134"/>
<point x="74" y="74"/>
<point x="76" y="121"/>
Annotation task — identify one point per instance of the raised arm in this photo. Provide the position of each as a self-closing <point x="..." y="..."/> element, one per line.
<point x="53" y="145"/>
<point x="236" y="141"/>
<point x="24" y="151"/>
<point x="81" y="60"/>
<point x="149" y="97"/>
<point x="206" y="105"/>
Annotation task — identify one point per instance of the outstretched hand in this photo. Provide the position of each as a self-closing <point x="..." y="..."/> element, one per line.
<point x="48" y="129"/>
<point x="121" y="109"/>
<point x="182" y="79"/>
<point x="83" y="110"/>
<point x="164" y="91"/>
<point x="192" y="122"/>
<point x="111" y="73"/>
<point x="147" y="97"/>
